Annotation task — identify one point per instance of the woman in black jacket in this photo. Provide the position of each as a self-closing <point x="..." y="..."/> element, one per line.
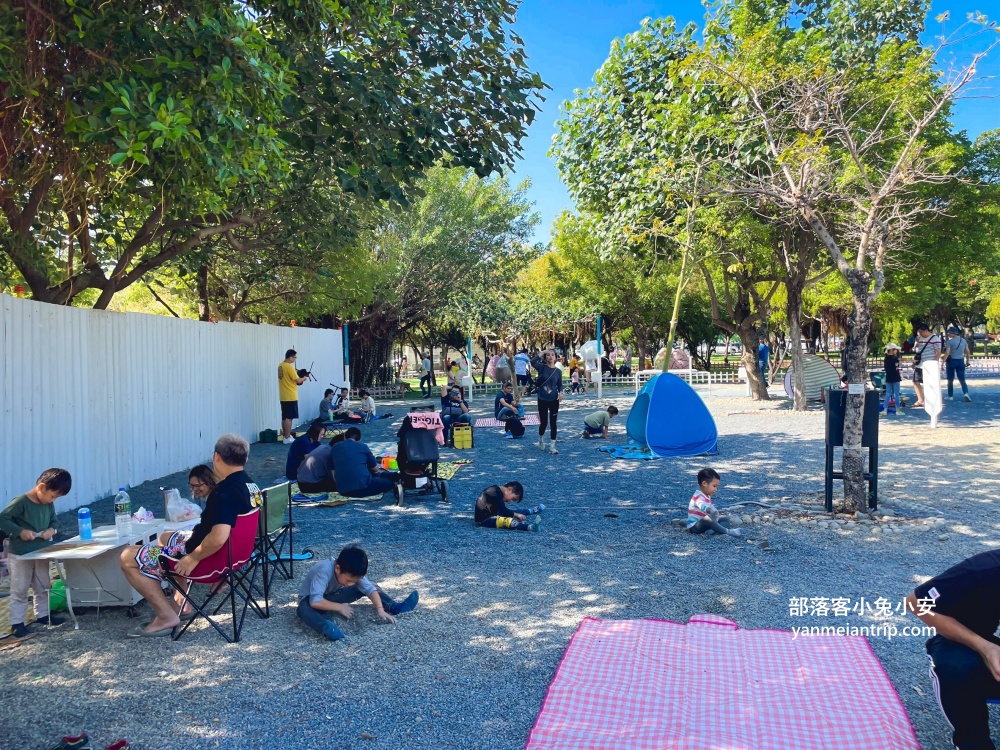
<point x="550" y="393"/>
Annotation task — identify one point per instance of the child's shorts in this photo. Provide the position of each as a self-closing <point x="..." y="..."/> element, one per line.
<point x="593" y="430"/>
<point x="148" y="556"/>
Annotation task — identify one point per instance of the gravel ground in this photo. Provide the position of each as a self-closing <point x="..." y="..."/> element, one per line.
<point x="469" y="667"/>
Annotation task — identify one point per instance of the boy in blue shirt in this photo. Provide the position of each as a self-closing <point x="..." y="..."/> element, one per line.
<point x="332" y="585"/>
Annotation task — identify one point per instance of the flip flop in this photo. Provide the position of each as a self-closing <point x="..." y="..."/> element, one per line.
<point x="139" y="632"/>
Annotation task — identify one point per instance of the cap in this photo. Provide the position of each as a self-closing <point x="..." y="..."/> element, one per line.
<point x="953" y="329"/>
<point x="892" y="345"/>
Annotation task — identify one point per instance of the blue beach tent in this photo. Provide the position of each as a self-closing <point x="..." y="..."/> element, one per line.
<point x="670" y="418"/>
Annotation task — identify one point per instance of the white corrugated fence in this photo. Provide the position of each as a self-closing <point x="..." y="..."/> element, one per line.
<point x="121" y="398"/>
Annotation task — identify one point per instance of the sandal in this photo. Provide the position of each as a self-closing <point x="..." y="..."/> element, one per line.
<point x="140" y="632"/>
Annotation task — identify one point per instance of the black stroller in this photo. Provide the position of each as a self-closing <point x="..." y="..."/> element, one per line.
<point x="417" y="456"/>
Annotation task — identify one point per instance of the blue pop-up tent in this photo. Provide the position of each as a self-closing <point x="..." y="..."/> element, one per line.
<point x="671" y="419"/>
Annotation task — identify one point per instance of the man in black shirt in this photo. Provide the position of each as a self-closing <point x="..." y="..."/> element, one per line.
<point x="234" y="495"/>
<point x="963" y="605"/>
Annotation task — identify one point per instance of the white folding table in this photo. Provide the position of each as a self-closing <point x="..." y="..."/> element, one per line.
<point x="93" y="566"/>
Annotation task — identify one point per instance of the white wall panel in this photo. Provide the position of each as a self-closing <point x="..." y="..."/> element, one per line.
<point x="121" y="398"/>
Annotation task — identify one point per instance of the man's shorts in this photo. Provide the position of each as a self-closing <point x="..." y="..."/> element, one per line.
<point x="289" y="409"/>
<point x="522" y="379"/>
<point x="918" y="374"/>
<point x="148" y="556"/>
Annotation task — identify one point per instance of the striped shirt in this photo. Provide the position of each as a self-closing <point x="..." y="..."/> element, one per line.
<point x="700" y="507"/>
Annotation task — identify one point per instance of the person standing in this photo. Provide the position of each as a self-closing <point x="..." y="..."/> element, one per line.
<point x="425" y="376"/>
<point x="926" y="348"/>
<point x="550" y="395"/>
<point x="892" y="377"/>
<point x="763" y="359"/>
<point x="288" y="393"/>
<point x="957" y="352"/>
<point x="521" y="362"/>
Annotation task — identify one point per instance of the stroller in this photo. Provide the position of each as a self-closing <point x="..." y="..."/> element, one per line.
<point x="417" y="455"/>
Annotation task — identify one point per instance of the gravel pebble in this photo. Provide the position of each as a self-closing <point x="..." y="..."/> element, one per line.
<point x="470" y="666"/>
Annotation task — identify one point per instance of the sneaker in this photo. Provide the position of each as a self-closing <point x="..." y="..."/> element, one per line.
<point x="74" y="743"/>
<point x="552" y="447"/>
<point x="120" y="745"/>
<point x="968" y="398"/>
<point x="736" y="532"/>
<point x="20" y="630"/>
<point x="53" y="621"/>
<point x="334" y="633"/>
<point x="951" y="398"/>
<point x="585" y="435"/>
<point x="407" y="605"/>
<point x="536" y="524"/>
<point x="288" y="441"/>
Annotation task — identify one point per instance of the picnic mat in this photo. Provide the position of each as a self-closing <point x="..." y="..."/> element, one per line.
<point x="530" y="419"/>
<point x="631" y="450"/>
<point x="355" y="420"/>
<point x="707" y="685"/>
<point x="446" y="470"/>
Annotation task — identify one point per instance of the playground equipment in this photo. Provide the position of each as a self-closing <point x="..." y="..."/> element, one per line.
<point x="670" y="418"/>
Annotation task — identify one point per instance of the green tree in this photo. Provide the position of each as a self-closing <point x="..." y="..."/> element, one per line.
<point x="130" y="160"/>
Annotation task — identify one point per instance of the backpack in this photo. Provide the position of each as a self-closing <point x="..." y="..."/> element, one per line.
<point x="514" y="426"/>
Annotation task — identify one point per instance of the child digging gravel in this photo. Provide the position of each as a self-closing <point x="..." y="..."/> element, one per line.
<point x="492" y="511"/>
<point x="331" y="586"/>
<point x="703" y="517"/>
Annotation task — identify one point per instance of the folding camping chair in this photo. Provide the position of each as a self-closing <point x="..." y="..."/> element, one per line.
<point x="235" y="563"/>
<point x="275" y="532"/>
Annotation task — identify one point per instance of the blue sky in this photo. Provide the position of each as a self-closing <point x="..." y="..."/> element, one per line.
<point x="568" y="40"/>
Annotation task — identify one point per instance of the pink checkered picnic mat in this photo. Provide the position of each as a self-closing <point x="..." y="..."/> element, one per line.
<point x="490" y="422"/>
<point x="658" y="685"/>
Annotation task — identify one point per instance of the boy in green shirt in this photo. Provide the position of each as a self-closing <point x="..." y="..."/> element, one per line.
<point x="30" y="520"/>
<point x="596" y="424"/>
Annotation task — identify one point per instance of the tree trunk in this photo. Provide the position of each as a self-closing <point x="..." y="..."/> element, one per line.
<point x="794" y="313"/>
<point x="751" y="340"/>
<point x="859" y="326"/>
<point x="204" y="307"/>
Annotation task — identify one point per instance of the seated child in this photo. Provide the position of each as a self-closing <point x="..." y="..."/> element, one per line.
<point x="492" y="510"/>
<point x="331" y="586"/>
<point x="367" y="406"/>
<point x="30" y="520"/>
<point x="596" y="424"/>
<point x="326" y="405"/>
<point x="702" y="515"/>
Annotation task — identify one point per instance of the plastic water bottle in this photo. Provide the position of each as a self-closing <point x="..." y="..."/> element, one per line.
<point x="123" y="514"/>
<point x="535" y="510"/>
<point x="83" y="523"/>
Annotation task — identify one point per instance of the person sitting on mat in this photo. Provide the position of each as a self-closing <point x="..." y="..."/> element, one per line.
<point x="302" y="447"/>
<point x="342" y="403"/>
<point x="315" y="474"/>
<point x="506" y="404"/>
<point x="332" y="585"/>
<point x="596" y="424"/>
<point x="356" y="471"/>
<point x="326" y="405"/>
<point x="492" y="511"/>
<point x="702" y="515"/>
<point x="367" y="406"/>
<point x="235" y="495"/>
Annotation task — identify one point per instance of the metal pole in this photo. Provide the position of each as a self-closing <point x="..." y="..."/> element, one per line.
<point x="468" y="364"/>
<point x="347" y="360"/>
<point x="600" y="377"/>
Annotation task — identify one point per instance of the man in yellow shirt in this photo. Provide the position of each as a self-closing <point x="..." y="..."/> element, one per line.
<point x="288" y="393"/>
